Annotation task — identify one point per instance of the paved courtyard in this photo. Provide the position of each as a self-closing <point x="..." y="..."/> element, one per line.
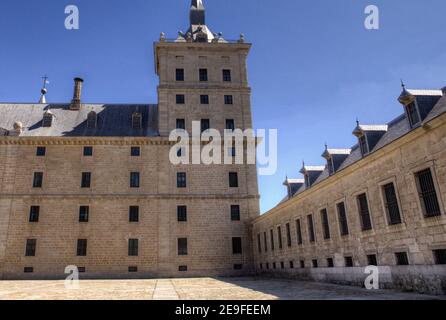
<point x="193" y="289"/>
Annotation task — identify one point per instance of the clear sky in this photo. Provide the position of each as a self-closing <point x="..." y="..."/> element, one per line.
<point x="314" y="68"/>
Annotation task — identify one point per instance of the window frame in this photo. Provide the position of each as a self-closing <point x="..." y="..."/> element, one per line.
<point x="30" y="247"/>
<point x="38" y="180"/>
<point x="135" y="180"/>
<point x="135" y="151"/>
<point x="40" y="151"/>
<point x="382" y="185"/>
<point x="233" y="183"/>
<point x="340" y="227"/>
<point x="133" y="247"/>
<point x="84" y="214"/>
<point x="86" y="178"/>
<point x="437" y="190"/>
<point x="364" y="227"/>
<point x="134" y="214"/>
<point x="227" y="75"/>
<point x="181" y="213"/>
<point x="34" y="216"/>
<point x="237" y="246"/>
<point x="182" y="247"/>
<point x="325" y="225"/>
<point x="179" y="74"/>
<point x="228" y="99"/>
<point x="181" y="180"/>
<point x="82" y="247"/>
<point x="235" y="212"/>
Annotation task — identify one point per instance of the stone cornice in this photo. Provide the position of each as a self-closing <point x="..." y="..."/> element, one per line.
<point x="151" y="196"/>
<point x="85" y="141"/>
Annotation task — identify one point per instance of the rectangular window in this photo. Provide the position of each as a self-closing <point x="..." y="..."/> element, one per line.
<point x="325" y="224"/>
<point x="179" y="74"/>
<point x="311" y="234"/>
<point x="259" y="243"/>
<point x="265" y="242"/>
<point x="412" y="114"/>
<point x="279" y="237"/>
<point x="88" y="151"/>
<point x="291" y="264"/>
<point x="372" y="260"/>
<point x="391" y="204"/>
<point x="271" y="235"/>
<point x="28" y="270"/>
<point x="181" y="124"/>
<point x="227" y="75"/>
<point x="82" y="247"/>
<point x="233" y="180"/>
<point x="181" y="180"/>
<point x="182" y="213"/>
<point x="238" y="266"/>
<point x="41" y="151"/>
<point x="427" y="193"/>
<point x="274" y="265"/>
<point x="364" y="213"/>
<point x="133" y="214"/>
<point x="235" y="213"/>
<point x="30" y="250"/>
<point x="84" y="213"/>
<point x="288" y="235"/>
<point x="205" y="125"/>
<point x="440" y="256"/>
<point x="236" y="245"/>
<point x="330" y="263"/>
<point x="204" y="99"/>
<point x="34" y="212"/>
<point x="342" y="215"/>
<point x="133" y="269"/>
<point x="203" y="75"/>
<point x="299" y="232"/>
<point x="81" y="269"/>
<point x="348" y="262"/>
<point x="133" y="247"/>
<point x="314" y="263"/>
<point x="180" y="99"/>
<point x="330" y="166"/>
<point x="182" y="268"/>
<point x="363" y="145"/>
<point x="134" y="180"/>
<point x="38" y="180"/>
<point x="135" y="151"/>
<point x="182" y="246"/>
<point x="86" y="180"/>
<point x="401" y="259"/>
<point x="229" y="99"/>
<point x="302" y="264"/>
<point x="282" y="265"/>
<point x="230" y="124"/>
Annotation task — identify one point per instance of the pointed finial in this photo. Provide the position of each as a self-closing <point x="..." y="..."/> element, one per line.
<point x="44" y="90"/>
<point x="357" y="121"/>
<point x="326" y="146"/>
<point x="403" y="85"/>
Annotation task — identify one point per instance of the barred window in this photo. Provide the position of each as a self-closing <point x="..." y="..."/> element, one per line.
<point x="233" y="180"/>
<point x="364" y="213"/>
<point x="134" y="214"/>
<point x="343" y="223"/>
<point x="204" y="99"/>
<point x="391" y="204"/>
<point x="38" y="180"/>
<point x="182" y="213"/>
<point x="227" y="75"/>
<point x="180" y="99"/>
<point x="288" y="234"/>
<point x="134" y="180"/>
<point x="412" y="114"/>
<point x="229" y="99"/>
<point x="135" y="151"/>
<point x="279" y="236"/>
<point x="133" y="269"/>
<point x="299" y="232"/>
<point x="203" y="75"/>
<point x="84" y="213"/>
<point x="236" y="245"/>
<point x="82" y="247"/>
<point x="311" y="234"/>
<point x="179" y="74"/>
<point x="133" y="247"/>
<point x="88" y="151"/>
<point x="30" y="250"/>
<point x="182" y="246"/>
<point x="40" y="151"/>
<point x="402" y="259"/>
<point x="86" y="180"/>
<point x="235" y="212"/>
<point x="34" y="212"/>
<point x="271" y="235"/>
<point x="181" y="180"/>
<point x="427" y="193"/>
<point x="325" y="224"/>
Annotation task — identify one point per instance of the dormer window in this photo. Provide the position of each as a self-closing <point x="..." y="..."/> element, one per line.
<point x="92" y="120"/>
<point x="137" y="120"/>
<point x="47" y="120"/>
<point x="307" y="180"/>
<point x="412" y="114"/>
<point x="330" y="166"/>
<point x="363" y="145"/>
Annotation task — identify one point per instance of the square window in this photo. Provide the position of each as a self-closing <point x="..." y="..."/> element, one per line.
<point x="88" y="151"/>
<point x="180" y="99"/>
<point x="227" y="75"/>
<point x="181" y="180"/>
<point x="204" y="99"/>
<point x="440" y="256"/>
<point x="203" y="75"/>
<point x="372" y="260"/>
<point x="401" y="259"/>
<point x="41" y="151"/>
<point x="133" y="247"/>
<point x="182" y="246"/>
<point x="179" y="74"/>
<point x="84" y="213"/>
<point x="38" y="180"/>
<point x="181" y="124"/>
<point x="235" y="213"/>
<point x="82" y="247"/>
<point x="34" y="212"/>
<point x="229" y="99"/>
<point x="236" y="245"/>
<point x="134" y="180"/>
<point x="86" y="180"/>
<point x="135" y="151"/>
<point x="233" y="180"/>
<point x="133" y="269"/>
<point x="182" y="213"/>
<point x="348" y="262"/>
<point x="182" y="268"/>
<point x="133" y="214"/>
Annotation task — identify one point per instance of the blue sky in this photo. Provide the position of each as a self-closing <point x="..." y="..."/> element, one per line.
<point x="314" y="68"/>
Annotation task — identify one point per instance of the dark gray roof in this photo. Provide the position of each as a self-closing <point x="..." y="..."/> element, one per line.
<point x="114" y="120"/>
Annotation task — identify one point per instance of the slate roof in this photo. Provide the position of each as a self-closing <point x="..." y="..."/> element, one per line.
<point x="114" y="120"/>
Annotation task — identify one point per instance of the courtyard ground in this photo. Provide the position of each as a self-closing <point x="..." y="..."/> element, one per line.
<point x="195" y="289"/>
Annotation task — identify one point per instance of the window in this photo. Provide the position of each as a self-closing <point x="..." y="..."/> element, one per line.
<point x="227" y="75"/>
<point x="314" y="263"/>
<point x="302" y="264"/>
<point x="179" y="74"/>
<point x="401" y="259"/>
<point x="330" y="263"/>
<point x="229" y="99"/>
<point x="82" y="247"/>
<point x="282" y="265"/>
<point x="265" y="242"/>
<point x="86" y="180"/>
<point x="274" y="265"/>
<point x="133" y="247"/>
<point x="299" y="232"/>
<point x="182" y="213"/>
<point x="271" y="235"/>
<point x="136" y="120"/>
<point x="364" y="213"/>
<point x="41" y="151"/>
<point x="236" y="245"/>
<point x="325" y="224"/>
<point x="363" y="145"/>
<point x="267" y="266"/>
<point x="343" y="224"/>
<point x="81" y="269"/>
<point x="279" y="236"/>
<point x="88" y="151"/>
<point x="440" y="256"/>
<point x="205" y="125"/>
<point x="182" y="246"/>
<point x="233" y="180"/>
<point x="348" y="262"/>
<point x="134" y="180"/>
<point x="47" y="120"/>
<point x="203" y="75"/>
<point x="181" y="124"/>
<point x="307" y="180"/>
<point x="34" y="214"/>
<point x="288" y="235"/>
<point x="135" y="151"/>
<point x="372" y="260"/>
<point x="133" y="269"/>
<point x="261" y="266"/>
<point x="30" y="247"/>
<point x="134" y="214"/>
<point x="235" y="213"/>
<point x="180" y="99"/>
<point x="204" y="99"/>
<point x="230" y="124"/>
<point x="412" y="114"/>
<point x="181" y="180"/>
<point x="83" y="213"/>
<point x="238" y="266"/>
<point x="330" y="166"/>
<point x="259" y="243"/>
<point x="182" y="268"/>
<point x="391" y="204"/>
<point x="38" y="180"/>
<point x="92" y="120"/>
<point x="311" y="234"/>
<point x="428" y="194"/>
<point x="291" y="264"/>
<point x="28" y="270"/>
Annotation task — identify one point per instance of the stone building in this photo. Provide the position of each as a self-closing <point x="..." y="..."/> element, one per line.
<point x="91" y="185"/>
<point x="380" y="203"/>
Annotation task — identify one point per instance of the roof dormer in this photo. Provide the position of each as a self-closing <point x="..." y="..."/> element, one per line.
<point x="335" y="158"/>
<point x="92" y="120"/>
<point x="311" y="173"/>
<point x="293" y="185"/>
<point x="47" y="120"/>
<point x="368" y="136"/>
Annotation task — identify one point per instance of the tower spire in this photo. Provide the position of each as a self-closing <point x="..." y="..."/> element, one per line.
<point x="197" y="13"/>
<point x="198" y="31"/>
<point x="44" y="90"/>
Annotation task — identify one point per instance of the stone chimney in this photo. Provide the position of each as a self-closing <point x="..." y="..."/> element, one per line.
<point x="76" y="102"/>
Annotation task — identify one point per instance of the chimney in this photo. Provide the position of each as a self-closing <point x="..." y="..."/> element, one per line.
<point x="76" y="102"/>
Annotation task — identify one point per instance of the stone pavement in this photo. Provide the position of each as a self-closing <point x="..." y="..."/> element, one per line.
<point x="194" y="289"/>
